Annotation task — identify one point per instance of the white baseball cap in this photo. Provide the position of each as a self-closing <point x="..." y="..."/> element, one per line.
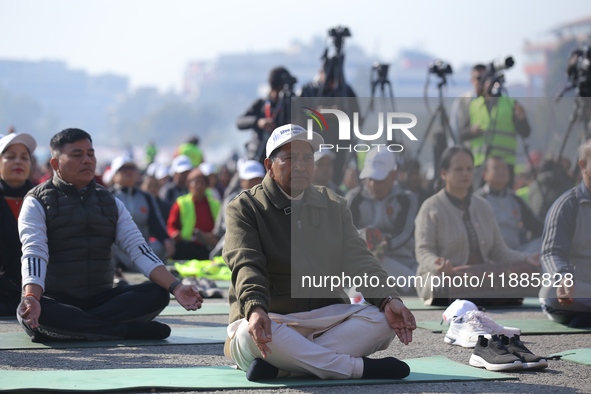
<point x="152" y="168"/>
<point x="322" y="153"/>
<point x="21" y="138"/>
<point x="251" y="169"/>
<point x="161" y="172"/>
<point x="119" y="162"/>
<point x="290" y="132"/>
<point x="378" y="164"/>
<point x="207" y="168"/>
<point x="180" y="164"/>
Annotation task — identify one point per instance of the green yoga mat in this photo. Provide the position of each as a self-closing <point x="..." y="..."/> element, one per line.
<point x="415" y="304"/>
<point x="179" y="336"/>
<point x="206" y="309"/>
<point x="529" y="326"/>
<point x="223" y="284"/>
<point x="216" y="378"/>
<point x="579" y="356"/>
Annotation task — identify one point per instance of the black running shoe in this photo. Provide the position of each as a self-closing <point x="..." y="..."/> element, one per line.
<point x="528" y="359"/>
<point x="210" y="288"/>
<point x="493" y="355"/>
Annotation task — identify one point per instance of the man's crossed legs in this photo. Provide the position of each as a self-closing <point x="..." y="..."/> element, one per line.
<point x="330" y="343"/>
<point x="123" y="312"/>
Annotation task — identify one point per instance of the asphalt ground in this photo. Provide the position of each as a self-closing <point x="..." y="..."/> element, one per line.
<point x="559" y="377"/>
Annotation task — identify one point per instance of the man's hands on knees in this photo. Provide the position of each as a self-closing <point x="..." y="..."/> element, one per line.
<point x="259" y="328"/>
<point x="401" y="320"/>
<point x="30" y="309"/>
<point x="565" y="293"/>
<point x="188" y="297"/>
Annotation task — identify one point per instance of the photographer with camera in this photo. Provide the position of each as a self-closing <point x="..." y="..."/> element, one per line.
<point x="265" y="115"/>
<point x="492" y="121"/>
<point x="330" y="83"/>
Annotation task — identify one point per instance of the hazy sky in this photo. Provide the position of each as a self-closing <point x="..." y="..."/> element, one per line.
<point x="152" y="41"/>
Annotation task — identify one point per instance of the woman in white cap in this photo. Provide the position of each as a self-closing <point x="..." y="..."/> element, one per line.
<point x="15" y="167"/>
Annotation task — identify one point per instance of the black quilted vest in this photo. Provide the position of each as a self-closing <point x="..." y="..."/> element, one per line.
<point x="80" y="232"/>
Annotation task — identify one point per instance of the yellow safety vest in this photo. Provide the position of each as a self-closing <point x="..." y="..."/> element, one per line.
<point x="192" y="151"/>
<point x="504" y="141"/>
<point x="188" y="216"/>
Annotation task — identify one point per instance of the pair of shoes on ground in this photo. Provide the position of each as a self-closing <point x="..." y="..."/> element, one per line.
<point x="503" y="353"/>
<point x="207" y="287"/>
<point x="464" y="330"/>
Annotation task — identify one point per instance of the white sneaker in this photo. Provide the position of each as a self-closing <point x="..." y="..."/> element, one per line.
<point x="464" y="331"/>
<point x="490" y="325"/>
<point x="458" y="308"/>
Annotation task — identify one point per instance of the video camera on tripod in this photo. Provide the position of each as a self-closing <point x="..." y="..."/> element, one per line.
<point x="333" y="65"/>
<point x="379" y="76"/>
<point x="494" y="74"/>
<point x="579" y="71"/>
<point x="338" y="34"/>
<point x="380" y="71"/>
<point x="440" y="68"/>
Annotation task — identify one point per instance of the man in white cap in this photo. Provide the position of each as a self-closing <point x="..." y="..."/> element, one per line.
<point x="324" y="170"/>
<point x="179" y="170"/>
<point x="381" y="204"/>
<point x="144" y="211"/>
<point x="276" y="328"/>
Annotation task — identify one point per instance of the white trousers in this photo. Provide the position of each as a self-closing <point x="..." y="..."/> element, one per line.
<point x="327" y="342"/>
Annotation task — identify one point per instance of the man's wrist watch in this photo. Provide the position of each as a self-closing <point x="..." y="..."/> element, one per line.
<point x="173" y="286"/>
<point x="387" y="300"/>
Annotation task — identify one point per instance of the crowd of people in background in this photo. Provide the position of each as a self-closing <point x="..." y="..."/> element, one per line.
<point x="452" y="223"/>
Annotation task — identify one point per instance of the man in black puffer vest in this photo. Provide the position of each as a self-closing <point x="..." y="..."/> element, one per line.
<point x="67" y="226"/>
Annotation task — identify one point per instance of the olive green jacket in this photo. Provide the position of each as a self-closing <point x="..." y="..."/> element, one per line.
<point x="265" y="235"/>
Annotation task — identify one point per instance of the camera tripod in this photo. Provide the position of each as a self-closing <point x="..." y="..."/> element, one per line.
<point x="444" y="121"/>
<point x="334" y="65"/>
<point x="382" y="80"/>
<point x="580" y="112"/>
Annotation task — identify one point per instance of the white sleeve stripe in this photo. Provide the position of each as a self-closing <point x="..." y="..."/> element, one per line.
<point x="552" y="230"/>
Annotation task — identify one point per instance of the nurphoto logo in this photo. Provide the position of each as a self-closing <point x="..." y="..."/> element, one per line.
<point x="345" y="129"/>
